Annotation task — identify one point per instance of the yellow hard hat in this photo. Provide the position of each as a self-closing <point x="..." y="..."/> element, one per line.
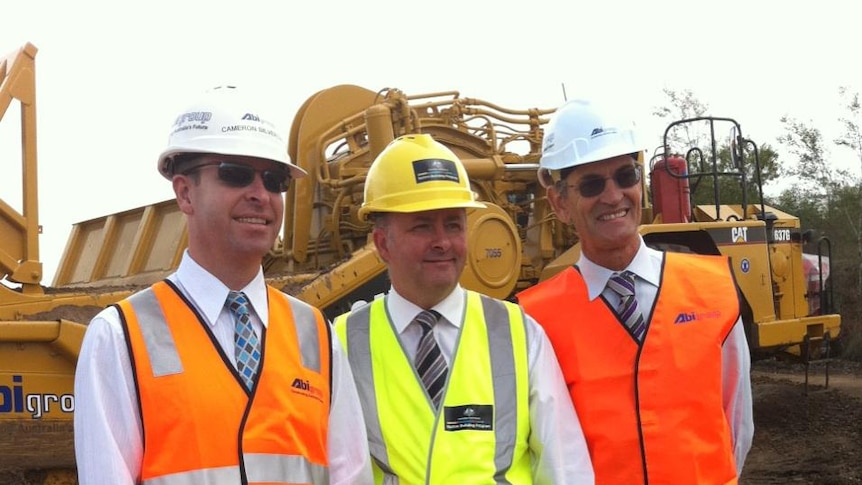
<point x="415" y="173"/>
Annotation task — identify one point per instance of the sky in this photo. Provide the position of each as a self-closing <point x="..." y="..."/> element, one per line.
<point x="111" y="76"/>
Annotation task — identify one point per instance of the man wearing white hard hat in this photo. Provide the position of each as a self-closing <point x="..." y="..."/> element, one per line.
<point x="651" y="344"/>
<point x="211" y="376"/>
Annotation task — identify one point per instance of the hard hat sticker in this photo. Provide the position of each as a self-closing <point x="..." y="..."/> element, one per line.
<point x="194" y="117"/>
<point x="435" y="170"/>
<point x="195" y="120"/>
<point x="267" y="129"/>
<point x="602" y="131"/>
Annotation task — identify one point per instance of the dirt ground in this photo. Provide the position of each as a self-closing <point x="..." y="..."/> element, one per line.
<point x="803" y="435"/>
<point x="800" y="437"/>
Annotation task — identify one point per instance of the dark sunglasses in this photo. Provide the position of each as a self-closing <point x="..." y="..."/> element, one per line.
<point x="239" y="175"/>
<point x="593" y="185"/>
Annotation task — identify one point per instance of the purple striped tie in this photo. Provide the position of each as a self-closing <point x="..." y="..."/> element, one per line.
<point x="623" y="284"/>
<point x="430" y="363"/>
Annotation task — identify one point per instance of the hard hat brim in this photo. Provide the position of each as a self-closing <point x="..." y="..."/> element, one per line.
<point x="167" y="171"/>
<point x="418" y="206"/>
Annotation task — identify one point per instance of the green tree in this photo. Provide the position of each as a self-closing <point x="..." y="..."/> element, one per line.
<point x="732" y="188"/>
<point x="811" y="169"/>
<point x="846" y="266"/>
<point x="826" y="198"/>
<point x="852" y="135"/>
<point x="815" y="181"/>
<point x="712" y="158"/>
<point x="852" y="138"/>
<point x="681" y="105"/>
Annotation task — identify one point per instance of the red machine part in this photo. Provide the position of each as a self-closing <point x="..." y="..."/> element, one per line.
<point x="670" y="194"/>
<point x="812" y="275"/>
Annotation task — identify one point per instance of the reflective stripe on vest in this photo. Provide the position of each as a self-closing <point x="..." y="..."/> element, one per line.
<point x="282" y="430"/>
<point x="492" y="379"/>
<point x="163" y="351"/>
<point x="260" y="469"/>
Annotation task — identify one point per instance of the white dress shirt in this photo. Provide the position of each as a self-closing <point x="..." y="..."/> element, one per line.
<point x="557" y="444"/>
<point x="108" y="434"/>
<point x="736" y="360"/>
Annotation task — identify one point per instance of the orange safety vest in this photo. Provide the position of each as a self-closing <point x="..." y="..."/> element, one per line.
<point x="653" y="412"/>
<point x="200" y="423"/>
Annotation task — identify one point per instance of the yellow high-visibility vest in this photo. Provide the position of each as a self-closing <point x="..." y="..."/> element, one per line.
<point x="480" y="433"/>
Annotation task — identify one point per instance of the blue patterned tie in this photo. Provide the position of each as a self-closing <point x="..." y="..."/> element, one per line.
<point x="430" y="363"/>
<point x="247" y="348"/>
<point x="624" y="285"/>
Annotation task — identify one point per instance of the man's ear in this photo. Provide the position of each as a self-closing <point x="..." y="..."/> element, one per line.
<point x="183" y="191"/>
<point x="381" y="242"/>
<point x="559" y="205"/>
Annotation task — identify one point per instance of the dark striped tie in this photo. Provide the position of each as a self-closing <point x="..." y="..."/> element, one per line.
<point x="430" y="363"/>
<point x="629" y="313"/>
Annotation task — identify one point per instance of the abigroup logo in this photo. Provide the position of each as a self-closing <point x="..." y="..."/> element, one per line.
<point x="14" y="399"/>
<point x="304" y="387"/>
<point x="690" y="317"/>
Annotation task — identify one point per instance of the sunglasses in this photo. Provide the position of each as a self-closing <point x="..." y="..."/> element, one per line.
<point x="239" y="175"/>
<point x="593" y="185"/>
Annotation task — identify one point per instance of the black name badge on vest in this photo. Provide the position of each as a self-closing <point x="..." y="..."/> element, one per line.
<point x="476" y="417"/>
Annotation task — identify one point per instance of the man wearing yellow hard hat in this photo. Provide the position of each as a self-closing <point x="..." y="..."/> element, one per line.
<point x="456" y="387"/>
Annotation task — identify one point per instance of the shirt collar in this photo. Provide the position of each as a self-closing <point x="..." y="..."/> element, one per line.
<point x="402" y="311"/>
<point x="208" y="293"/>
<point x="646" y="265"/>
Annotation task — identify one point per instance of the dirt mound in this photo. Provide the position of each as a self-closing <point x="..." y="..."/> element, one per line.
<point x="79" y="314"/>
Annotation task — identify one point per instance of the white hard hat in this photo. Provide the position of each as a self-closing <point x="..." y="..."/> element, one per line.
<point x="223" y="122"/>
<point x="581" y="132"/>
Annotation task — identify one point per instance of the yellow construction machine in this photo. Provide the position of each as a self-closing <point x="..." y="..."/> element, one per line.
<point x="41" y="329"/>
<point x="323" y="255"/>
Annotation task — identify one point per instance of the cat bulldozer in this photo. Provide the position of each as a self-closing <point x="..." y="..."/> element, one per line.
<point x="324" y="255"/>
